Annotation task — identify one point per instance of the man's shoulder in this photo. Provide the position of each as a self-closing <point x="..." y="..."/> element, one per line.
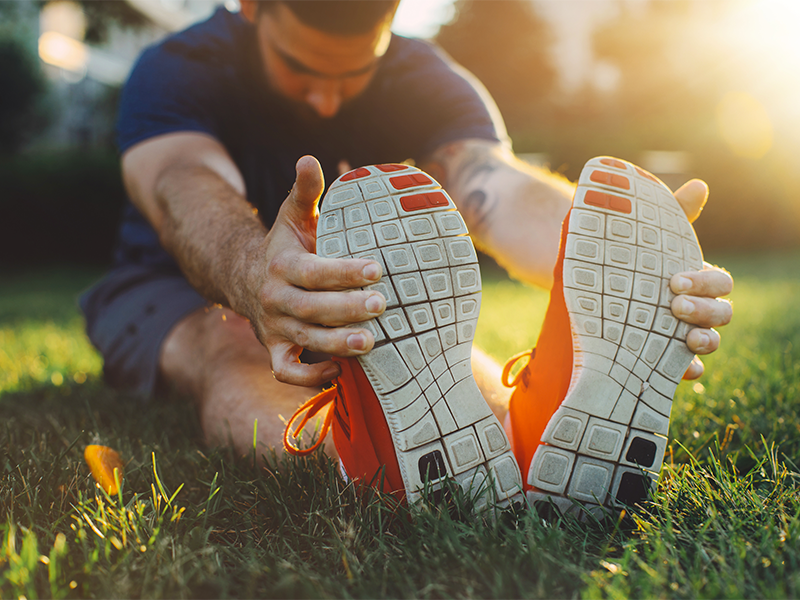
<point x="431" y="98"/>
<point x="211" y="41"/>
<point x="184" y="82"/>
<point x="413" y="65"/>
<point x="411" y="52"/>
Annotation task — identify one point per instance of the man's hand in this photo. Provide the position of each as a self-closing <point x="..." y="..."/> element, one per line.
<point x="298" y="300"/>
<point x="699" y="293"/>
<point x="194" y="196"/>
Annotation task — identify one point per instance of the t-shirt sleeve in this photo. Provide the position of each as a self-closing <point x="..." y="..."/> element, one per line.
<point x="168" y="91"/>
<point x="439" y="101"/>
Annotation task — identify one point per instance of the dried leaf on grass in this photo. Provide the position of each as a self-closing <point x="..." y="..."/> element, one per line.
<point x="103" y="461"/>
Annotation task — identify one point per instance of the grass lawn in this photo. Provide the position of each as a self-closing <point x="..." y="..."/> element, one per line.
<point x="198" y="522"/>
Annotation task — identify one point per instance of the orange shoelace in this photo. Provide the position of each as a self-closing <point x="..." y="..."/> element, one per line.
<point x="311" y="407"/>
<point x="510" y="365"/>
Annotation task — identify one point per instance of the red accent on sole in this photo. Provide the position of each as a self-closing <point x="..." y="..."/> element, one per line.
<point x="390" y="168"/>
<point x="649" y="176"/>
<point x="422" y="201"/>
<point x="612" y="162"/>
<point x="355" y="174"/>
<point x="608" y="201"/>
<point x="402" y="182"/>
<point x="611" y="179"/>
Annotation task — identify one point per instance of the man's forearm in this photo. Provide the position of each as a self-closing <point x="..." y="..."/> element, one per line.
<point x="514" y="211"/>
<point x="210" y="230"/>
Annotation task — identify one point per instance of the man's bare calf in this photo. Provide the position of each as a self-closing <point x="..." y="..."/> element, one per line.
<point x="213" y="356"/>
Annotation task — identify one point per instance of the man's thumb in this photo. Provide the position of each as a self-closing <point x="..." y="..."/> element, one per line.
<point x="307" y="188"/>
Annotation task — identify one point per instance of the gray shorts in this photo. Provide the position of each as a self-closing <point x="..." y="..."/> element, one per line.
<point x="128" y="314"/>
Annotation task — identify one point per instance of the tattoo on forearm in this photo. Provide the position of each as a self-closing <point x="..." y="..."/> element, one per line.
<point x="474" y="164"/>
<point x="467" y="171"/>
<point x="476" y="208"/>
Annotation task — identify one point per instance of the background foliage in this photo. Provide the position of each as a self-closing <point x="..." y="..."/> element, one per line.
<point x="22" y="87"/>
<point x="674" y="73"/>
<point x="59" y="206"/>
<point x="506" y="46"/>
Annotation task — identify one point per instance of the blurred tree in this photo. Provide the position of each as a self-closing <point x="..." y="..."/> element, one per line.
<point x="668" y="84"/>
<point x="22" y="85"/>
<point x="675" y="69"/>
<point x="102" y="15"/>
<point x="506" y="45"/>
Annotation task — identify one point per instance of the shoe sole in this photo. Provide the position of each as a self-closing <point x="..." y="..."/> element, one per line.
<point x="627" y="236"/>
<point x="420" y="365"/>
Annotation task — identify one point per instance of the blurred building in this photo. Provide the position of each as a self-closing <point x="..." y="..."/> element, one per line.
<point x="84" y="76"/>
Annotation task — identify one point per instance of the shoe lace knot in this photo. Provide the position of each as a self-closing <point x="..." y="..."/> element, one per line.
<point x="529" y="354"/>
<point x="308" y="410"/>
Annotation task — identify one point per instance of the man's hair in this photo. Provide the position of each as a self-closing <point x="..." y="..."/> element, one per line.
<point x="338" y="17"/>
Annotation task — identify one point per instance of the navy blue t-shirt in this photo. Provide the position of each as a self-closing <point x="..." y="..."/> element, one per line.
<point x="210" y="78"/>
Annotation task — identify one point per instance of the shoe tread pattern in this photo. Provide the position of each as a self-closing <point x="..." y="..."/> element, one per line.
<point x="420" y="365"/>
<point x="627" y="236"/>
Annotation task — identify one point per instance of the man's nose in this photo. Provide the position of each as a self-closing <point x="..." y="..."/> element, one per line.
<point x="325" y="97"/>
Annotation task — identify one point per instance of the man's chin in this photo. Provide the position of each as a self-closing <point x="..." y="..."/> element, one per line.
<point x="303" y="112"/>
<point x="307" y="115"/>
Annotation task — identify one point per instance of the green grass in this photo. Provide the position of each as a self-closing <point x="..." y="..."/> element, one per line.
<point x="41" y="332"/>
<point x="198" y="522"/>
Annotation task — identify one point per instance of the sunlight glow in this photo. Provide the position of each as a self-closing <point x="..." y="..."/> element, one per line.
<point x="763" y="51"/>
<point x="775" y="22"/>
<point x="744" y="125"/>
<point x="62" y="51"/>
<point x="422" y="18"/>
<point x="769" y="29"/>
<point x="66" y="18"/>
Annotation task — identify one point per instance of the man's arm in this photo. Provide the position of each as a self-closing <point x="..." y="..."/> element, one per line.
<point x="190" y="190"/>
<point x="514" y="213"/>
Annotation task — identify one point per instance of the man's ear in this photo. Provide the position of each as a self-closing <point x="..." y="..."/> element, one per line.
<point x="249" y="8"/>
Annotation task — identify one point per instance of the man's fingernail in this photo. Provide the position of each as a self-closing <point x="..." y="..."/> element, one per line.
<point x="357" y="341"/>
<point x="331" y="372"/>
<point x="705" y="342"/>
<point x="375" y="304"/>
<point x="682" y="284"/>
<point x="372" y="272"/>
<point x="683" y="306"/>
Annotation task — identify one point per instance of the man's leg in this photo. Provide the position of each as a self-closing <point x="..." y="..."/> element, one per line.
<point x="214" y="356"/>
<point x="149" y="324"/>
<point x="487" y="374"/>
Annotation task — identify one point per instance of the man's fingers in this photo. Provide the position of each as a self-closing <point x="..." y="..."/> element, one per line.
<point x="343" y="341"/>
<point x="306" y="191"/>
<point x="698" y="299"/>
<point x="711" y="282"/>
<point x="702" y="341"/>
<point x="333" y="309"/>
<point x="704" y="312"/>
<point x="343" y="167"/>
<point x="287" y="369"/>
<point x="695" y="369"/>
<point x="312" y="272"/>
<point x="692" y="196"/>
<point x="336" y="341"/>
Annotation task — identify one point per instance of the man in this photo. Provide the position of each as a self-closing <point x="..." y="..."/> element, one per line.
<point x="217" y="122"/>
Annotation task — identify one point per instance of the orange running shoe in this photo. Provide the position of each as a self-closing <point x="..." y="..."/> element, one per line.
<point x="408" y="414"/>
<point x="590" y="412"/>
